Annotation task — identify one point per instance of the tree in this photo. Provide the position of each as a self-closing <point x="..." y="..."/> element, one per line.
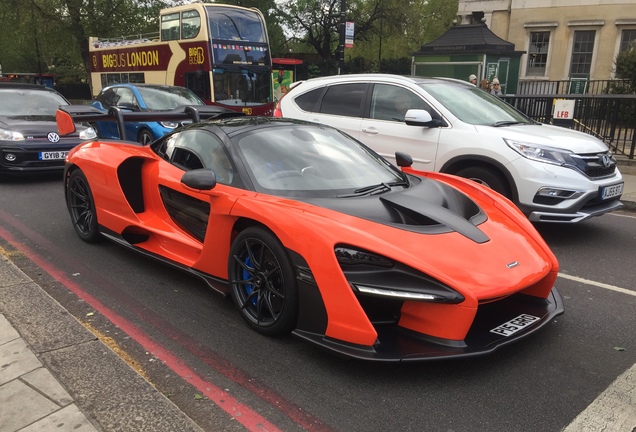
<point x="316" y="22"/>
<point x="626" y="67"/>
<point x="55" y="32"/>
<point x="383" y="28"/>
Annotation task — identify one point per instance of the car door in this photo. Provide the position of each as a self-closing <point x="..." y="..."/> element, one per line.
<point x="339" y="105"/>
<point x="196" y="220"/>
<point x="384" y="130"/>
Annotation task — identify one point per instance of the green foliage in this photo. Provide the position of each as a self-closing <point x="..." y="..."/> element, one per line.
<point x="51" y="36"/>
<point x="626" y="68"/>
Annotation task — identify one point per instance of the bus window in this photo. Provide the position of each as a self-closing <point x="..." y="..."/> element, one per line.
<point x="170" y="27"/>
<point x="190" y="24"/>
<point x="232" y="24"/>
<point x="199" y="83"/>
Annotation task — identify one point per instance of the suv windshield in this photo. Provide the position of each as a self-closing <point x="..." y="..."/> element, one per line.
<point x="473" y="105"/>
<point x="24" y="102"/>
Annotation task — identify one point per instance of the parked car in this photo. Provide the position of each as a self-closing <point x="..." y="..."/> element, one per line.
<point x="552" y="174"/>
<point x="142" y="98"/>
<point x="311" y="232"/>
<point x="29" y="141"/>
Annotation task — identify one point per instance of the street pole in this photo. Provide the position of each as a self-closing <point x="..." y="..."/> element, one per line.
<point x="342" y="29"/>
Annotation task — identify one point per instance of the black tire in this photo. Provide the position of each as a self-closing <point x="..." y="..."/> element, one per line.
<point x="263" y="283"/>
<point x="145" y="137"/>
<point x="81" y="207"/>
<point x="487" y="177"/>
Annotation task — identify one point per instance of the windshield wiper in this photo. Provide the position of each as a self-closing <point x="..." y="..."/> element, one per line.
<point x="506" y="123"/>
<point x="373" y="189"/>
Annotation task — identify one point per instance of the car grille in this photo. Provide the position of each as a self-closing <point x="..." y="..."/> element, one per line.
<point x="596" y="165"/>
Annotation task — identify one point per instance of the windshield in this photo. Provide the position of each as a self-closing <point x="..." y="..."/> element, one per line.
<point x="166" y="99"/>
<point x="24" y="102"/>
<point x="241" y="87"/>
<point x="233" y="24"/>
<point x="473" y="105"/>
<point x="298" y="159"/>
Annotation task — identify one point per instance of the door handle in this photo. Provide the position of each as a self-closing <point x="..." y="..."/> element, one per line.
<point x="371" y="131"/>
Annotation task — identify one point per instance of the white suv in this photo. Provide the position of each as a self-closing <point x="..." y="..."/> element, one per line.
<point x="552" y="174"/>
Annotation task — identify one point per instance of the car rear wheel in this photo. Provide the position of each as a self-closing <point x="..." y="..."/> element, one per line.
<point x="81" y="206"/>
<point x="262" y="282"/>
<point x="145" y="137"/>
<point x="487" y="177"/>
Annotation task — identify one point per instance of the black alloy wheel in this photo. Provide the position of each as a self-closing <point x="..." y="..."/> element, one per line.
<point x="81" y="206"/>
<point x="263" y="282"/>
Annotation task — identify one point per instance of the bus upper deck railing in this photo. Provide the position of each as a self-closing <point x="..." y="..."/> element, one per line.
<point x="611" y="118"/>
<point x="124" y="40"/>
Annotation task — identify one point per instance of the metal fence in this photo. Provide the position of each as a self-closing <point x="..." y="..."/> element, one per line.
<point x="569" y="86"/>
<point x="611" y="118"/>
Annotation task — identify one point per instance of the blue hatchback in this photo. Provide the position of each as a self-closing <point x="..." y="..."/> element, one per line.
<point x="142" y="97"/>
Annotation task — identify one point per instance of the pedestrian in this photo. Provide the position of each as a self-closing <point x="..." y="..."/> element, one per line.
<point x="495" y="87"/>
<point x="473" y="79"/>
<point x="484" y="85"/>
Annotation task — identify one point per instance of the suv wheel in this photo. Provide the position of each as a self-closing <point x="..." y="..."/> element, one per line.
<point x="488" y="177"/>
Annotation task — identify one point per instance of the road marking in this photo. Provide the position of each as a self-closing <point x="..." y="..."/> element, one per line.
<point x="613" y="410"/>
<point x="623" y="215"/>
<point x="598" y="284"/>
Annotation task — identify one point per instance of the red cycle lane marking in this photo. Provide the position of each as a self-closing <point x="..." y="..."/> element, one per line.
<point x="241" y="412"/>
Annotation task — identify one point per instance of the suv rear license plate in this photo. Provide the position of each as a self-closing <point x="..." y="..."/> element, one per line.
<point x="54" y="155"/>
<point x="515" y="324"/>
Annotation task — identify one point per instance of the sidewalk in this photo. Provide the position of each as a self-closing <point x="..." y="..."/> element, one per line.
<point x="56" y="375"/>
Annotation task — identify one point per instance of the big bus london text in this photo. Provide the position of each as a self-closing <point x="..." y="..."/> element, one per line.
<point x="220" y="52"/>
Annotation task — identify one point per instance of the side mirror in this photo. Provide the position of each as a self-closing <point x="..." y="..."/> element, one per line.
<point x="418" y="117"/>
<point x="403" y="159"/>
<point x="199" y="179"/>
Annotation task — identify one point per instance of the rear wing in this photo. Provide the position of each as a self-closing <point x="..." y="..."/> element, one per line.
<point x="67" y="115"/>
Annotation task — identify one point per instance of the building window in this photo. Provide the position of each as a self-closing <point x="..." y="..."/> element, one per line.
<point x="582" y="50"/>
<point x="538" y="53"/>
<point x="628" y="40"/>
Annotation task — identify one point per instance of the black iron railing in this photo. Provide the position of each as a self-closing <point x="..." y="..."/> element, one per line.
<point x="611" y="118"/>
<point x="569" y="86"/>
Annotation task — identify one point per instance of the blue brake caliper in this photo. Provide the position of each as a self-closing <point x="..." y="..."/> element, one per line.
<point x="246" y="275"/>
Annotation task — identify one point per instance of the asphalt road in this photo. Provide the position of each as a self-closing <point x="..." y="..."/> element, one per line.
<point x="192" y="344"/>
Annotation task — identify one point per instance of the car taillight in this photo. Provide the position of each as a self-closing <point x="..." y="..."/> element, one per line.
<point x="277" y="111"/>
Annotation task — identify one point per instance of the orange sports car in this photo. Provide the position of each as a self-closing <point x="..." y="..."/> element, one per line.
<point x="313" y="233"/>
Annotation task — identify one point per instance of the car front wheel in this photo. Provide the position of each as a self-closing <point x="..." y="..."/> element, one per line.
<point x="262" y="282"/>
<point x="487" y="177"/>
<point x="81" y="206"/>
<point x="145" y="137"/>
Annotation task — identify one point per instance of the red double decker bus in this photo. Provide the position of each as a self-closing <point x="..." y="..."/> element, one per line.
<point x="220" y="52"/>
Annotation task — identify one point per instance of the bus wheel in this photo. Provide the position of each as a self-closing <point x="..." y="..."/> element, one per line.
<point x="145" y="137"/>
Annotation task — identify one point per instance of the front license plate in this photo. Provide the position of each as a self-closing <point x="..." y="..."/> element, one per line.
<point x="54" y="155"/>
<point x="514" y="325"/>
<point x="612" y="191"/>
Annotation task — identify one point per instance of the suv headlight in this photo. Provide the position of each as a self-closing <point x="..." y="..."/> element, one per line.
<point x="7" y="135"/>
<point x="542" y="153"/>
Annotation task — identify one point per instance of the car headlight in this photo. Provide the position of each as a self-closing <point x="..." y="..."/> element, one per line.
<point x="169" y="124"/>
<point x="370" y="274"/>
<point x="540" y="153"/>
<point x="88" y="133"/>
<point x="7" y="135"/>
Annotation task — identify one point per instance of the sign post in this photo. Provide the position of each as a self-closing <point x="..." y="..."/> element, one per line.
<point x="563" y="112"/>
